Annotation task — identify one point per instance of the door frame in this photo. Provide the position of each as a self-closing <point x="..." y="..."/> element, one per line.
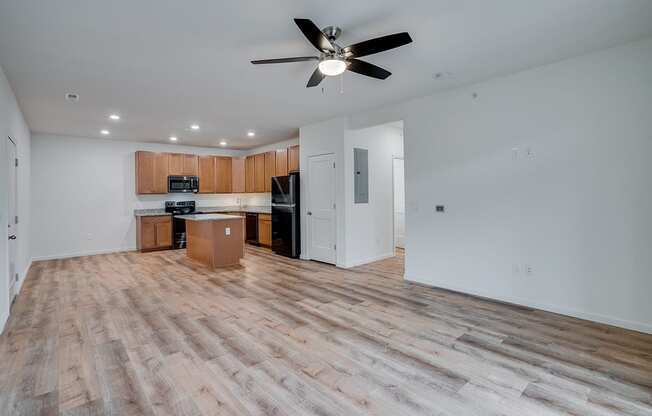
<point x="394" y="199"/>
<point x="12" y="281"/>
<point x="308" y="208"/>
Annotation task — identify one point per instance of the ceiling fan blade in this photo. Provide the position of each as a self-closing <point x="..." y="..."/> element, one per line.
<point x="381" y="44"/>
<point x="314" y="35"/>
<point x="284" y="60"/>
<point x="315" y="78"/>
<point x="365" y="68"/>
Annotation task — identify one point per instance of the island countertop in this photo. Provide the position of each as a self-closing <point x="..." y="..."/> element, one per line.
<point x="208" y="217"/>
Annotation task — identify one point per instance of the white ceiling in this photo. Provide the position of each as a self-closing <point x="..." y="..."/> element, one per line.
<point x="163" y="64"/>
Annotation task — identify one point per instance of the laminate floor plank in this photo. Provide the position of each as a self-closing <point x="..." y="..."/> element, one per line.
<point x="159" y="334"/>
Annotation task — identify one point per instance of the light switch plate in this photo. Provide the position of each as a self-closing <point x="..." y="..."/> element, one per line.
<point x="227" y="231"/>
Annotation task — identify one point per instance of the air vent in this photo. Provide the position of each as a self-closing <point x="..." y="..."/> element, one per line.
<point x="72" y="97"/>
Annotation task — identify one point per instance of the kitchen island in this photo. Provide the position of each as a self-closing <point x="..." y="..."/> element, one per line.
<point x="216" y="240"/>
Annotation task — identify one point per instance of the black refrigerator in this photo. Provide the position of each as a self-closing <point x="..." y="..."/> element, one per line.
<point x="286" y="230"/>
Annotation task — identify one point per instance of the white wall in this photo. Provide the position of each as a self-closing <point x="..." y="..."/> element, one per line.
<point x="84" y="194"/>
<point x="320" y="139"/>
<point x="13" y="124"/>
<point x="399" y="202"/>
<point x="369" y="227"/>
<point x="578" y="211"/>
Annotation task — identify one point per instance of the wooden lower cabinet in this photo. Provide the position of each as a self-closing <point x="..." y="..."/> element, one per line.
<point x="265" y="229"/>
<point x="154" y="233"/>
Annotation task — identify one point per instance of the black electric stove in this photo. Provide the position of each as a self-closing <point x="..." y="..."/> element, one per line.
<point x="179" y="225"/>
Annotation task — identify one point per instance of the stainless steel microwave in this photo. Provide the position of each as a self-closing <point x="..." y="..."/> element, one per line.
<point x="183" y="184"/>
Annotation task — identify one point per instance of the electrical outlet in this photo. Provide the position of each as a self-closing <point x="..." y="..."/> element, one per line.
<point x="529" y="270"/>
<point x="89" y="236"/>
<point x="227" y="231"/>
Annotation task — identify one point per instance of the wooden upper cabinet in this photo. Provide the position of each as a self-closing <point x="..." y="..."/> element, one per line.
<point x="223" y="174"/>
<point x="151" y="173"/>
<point x="183" y="165"/>
<point x="249" y="174"/>
<point x="259" y="172"/>
<point x="293" y="158"/>
<point x="281" y="162"/>
<point x="238" y="175"/>
<point x="270" y="169"/>
<point x="207" y="183"/>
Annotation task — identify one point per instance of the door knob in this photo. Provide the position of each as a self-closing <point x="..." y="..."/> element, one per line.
<point x="309" y="213"/>
<point x="12" y="237"/>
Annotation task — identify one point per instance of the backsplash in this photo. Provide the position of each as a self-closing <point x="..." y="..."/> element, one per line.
<point x="204" y="200"/>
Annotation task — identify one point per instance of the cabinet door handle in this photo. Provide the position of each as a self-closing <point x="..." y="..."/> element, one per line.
<point x="12" y="237"/>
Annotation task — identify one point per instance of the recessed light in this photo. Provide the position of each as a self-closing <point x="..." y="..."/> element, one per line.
<point x="114" y="117"/>
<point x="173" y="138"/>
<point x="194" y="126"/>
<point x="251" y="134"/>
<point x="222" y="143"/>
<point x="105" y="132"/>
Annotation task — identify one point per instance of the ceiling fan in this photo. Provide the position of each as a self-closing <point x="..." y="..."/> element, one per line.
<point x="334" y="59"/>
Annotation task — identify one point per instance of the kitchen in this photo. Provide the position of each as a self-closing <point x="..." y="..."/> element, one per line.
<point x="274" y="172"/>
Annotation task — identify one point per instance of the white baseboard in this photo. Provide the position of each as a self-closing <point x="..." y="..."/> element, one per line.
<point x="24" y="276"/>
<point x="589" y="316"/>
<point x="360" y="262"/>
<point x="83" y="253"/>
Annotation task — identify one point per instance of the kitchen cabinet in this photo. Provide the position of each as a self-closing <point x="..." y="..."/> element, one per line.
<point x="259" y="172"/>
<point x="151" y="173"/>
<point x="270" y="169"/>
<point x="207" y="182"/>
<point x="265" y="229"/>
<point x="293" y="158"/>
<point x="182" y="165"/>
<point x="238" y="175"/>
<point x="223" y="175"/>
<point x="281" y="162"/>
<point x="249" y="174"/>
<point x="154" y="232"/>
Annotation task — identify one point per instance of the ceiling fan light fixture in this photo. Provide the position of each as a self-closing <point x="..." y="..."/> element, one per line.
<point x="332" y="67"/>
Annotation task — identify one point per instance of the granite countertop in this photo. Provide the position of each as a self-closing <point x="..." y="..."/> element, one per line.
<point x="208" y="217"/>
<point x="235" y="208"/>
<point x="251" y="209"/>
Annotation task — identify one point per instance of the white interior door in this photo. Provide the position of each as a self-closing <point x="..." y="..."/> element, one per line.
<point x="11" y="220"/>
<point x="399" y="203"/>
<point x="321" y="208"/>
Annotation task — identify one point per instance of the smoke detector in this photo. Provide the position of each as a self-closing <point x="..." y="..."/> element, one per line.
<point x="72" y="97"/>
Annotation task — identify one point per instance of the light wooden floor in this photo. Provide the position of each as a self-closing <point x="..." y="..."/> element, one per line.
<point x="155" y="334"/>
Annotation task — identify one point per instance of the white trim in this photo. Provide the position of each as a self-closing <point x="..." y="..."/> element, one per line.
<point x="360" y="262"/>
<point x="83" y="253"/>
<point x="574" y="313"/>
<point x="24" y="276"/>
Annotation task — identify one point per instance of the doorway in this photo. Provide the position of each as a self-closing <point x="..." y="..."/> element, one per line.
<point x="321" y="208"/>
<point x="12" y="217"/>
<point x="398" y="176"/>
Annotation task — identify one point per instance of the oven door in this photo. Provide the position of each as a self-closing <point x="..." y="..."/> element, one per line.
<point x="183" y="184"/>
